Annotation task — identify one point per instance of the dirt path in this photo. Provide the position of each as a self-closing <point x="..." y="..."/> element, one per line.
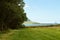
<point x="7" y="35"/>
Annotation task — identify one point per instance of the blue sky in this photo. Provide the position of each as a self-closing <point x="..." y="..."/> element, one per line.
<point x="43" y="11"/>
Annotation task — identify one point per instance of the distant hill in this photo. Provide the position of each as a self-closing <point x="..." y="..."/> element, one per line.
<point x="30" y="22"/>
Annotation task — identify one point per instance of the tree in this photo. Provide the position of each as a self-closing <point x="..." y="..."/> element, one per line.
<point x="11" y="14"/>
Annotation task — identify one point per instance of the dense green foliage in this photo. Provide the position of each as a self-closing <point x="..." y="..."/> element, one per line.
<point x="35" y="34"/>
<point x="11" y="14"/>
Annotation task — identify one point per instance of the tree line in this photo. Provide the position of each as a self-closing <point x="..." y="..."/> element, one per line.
<point x="12" y="15"/>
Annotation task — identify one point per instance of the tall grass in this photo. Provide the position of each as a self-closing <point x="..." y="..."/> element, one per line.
<point x="36" y="34"/>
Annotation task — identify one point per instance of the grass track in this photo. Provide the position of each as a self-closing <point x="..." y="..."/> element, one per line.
<point x="33" y="34"/>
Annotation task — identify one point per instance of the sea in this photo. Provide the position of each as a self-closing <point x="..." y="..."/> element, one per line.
<point x="41" y="24"/>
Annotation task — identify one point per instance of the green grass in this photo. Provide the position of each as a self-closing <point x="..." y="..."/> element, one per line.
<point x="35" y="34"/>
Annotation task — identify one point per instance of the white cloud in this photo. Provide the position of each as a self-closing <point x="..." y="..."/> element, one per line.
<point x="19" y="4"/>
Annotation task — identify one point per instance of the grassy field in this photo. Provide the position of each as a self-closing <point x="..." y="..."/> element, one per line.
<point x="32" y="34"/>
